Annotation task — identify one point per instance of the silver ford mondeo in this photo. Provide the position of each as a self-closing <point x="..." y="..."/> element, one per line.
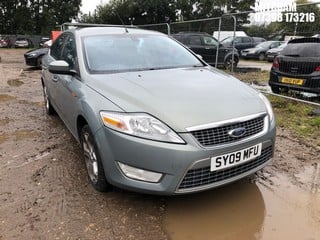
<point x="150" y="115"/>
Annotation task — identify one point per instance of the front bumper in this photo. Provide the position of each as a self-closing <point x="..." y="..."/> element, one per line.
<point x="179" y="163"/>
<point x="31" y="61"/>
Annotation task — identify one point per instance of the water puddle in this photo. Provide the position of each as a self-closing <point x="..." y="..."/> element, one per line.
<point x="246" y="210"/>
<point x="25" y="134"/>
<point x="15" y="82"/>
<point x="6" y="97"/>
<point x="3" y="138"/>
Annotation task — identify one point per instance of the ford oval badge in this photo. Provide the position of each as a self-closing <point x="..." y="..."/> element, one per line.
<point x="237" y="133"/>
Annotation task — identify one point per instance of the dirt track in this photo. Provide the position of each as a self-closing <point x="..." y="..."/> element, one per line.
<point x="45" y="194"/>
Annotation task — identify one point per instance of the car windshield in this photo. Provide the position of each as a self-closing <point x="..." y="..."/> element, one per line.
<point x="227" y="40"/>
<point x="117" y="53"/>
<point x="264" y="45"/>
<point x="283" y="45"/>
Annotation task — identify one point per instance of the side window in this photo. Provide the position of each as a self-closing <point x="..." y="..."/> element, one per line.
<point x="57" y="47"/>
<point x="210" y="41"/>
<point x="195" y="40"/>
<point x="69" y="52"/>
<point x="246" y="40"/>
<point x="237" y="40"/>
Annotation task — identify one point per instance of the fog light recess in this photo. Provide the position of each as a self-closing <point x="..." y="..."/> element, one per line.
<point x="139" y="174"/>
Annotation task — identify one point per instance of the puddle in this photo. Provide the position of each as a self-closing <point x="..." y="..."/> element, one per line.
<point x="25" y="134"/>
<point x="6" y="97"/>
<point x="15" y="82"/>
<point x="3" y="138"/>
<point x="4" y="121"/>
<point x="247" y="211"/>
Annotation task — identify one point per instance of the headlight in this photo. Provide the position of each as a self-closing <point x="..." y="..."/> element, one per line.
<point x="268" y="106"/>
<point x="140" y="125"/>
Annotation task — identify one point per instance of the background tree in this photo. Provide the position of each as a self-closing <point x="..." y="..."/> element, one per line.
<point x="35" y="16"/>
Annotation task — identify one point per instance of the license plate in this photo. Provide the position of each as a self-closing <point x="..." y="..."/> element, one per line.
<point x="235" y="158"/>
<point x="244" y="54"/>
<point x="294" y="81"/>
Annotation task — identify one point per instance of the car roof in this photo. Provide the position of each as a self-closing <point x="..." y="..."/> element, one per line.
<point x="305" y="40"/>
<point x="85" y="31"/>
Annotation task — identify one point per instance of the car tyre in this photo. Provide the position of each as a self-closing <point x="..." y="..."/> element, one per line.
<point x="275" y="89"/>
<point x="39" y="62"/>
<point x="93" y="162"/>
<point x="228" y="63"/>
<point x="47" y="104"/>
<point x="262" y="56"/>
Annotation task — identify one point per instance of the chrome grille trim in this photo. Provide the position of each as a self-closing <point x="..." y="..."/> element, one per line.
<point x="202" y="178"/>
<point x="217" y="134"/>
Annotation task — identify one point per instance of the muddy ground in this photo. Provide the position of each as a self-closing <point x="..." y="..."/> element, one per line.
<point x="45" y="193"/>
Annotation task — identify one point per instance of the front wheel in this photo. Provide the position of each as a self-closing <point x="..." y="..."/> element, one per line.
<point x="93" y="162"/>
<point x="262" y="56"/>
<point x="47" y="104"/>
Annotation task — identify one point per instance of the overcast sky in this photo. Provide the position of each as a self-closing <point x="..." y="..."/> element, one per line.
<point x="90" y="5"/>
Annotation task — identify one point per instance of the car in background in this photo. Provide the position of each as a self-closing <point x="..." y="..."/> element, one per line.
<point x="23" y="43"/>
<point x="272" y="53"/>
<point x="259" y="51"/>
<point x="43" y="40"/>
<point x="5" y="42"/>
<point x="242" y="42"/>
<point x="207" y="46"/>
<point x="34" y="57"/>
<point x="297" y="67"/>
<point x="150" y="115"/>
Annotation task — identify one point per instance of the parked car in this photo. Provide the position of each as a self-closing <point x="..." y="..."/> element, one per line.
<point x="259" y="51"/>
<point x="242" y="42"/>
<point x="206" y="46"/>
<point x="297" y="67"/>
<point x="5" y="42"/>
<point x="43" y="40"/>
<point x="23" y="43"/>
<point x="272" y="53"/>
<point x="150" y="115"/>
<point x="34" y="57"/>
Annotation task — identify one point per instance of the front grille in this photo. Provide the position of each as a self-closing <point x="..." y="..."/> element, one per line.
<point x="298" y="67"/>
<point x="219" y="135"/>
<point x="203" y="176"/>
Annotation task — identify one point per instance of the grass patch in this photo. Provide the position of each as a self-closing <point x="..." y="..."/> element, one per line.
<point x="297" y="117"/>
<point x="259" y="77"/>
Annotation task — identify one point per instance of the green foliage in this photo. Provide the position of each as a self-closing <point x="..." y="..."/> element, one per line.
<point x="156" y="11"/>
<point x="35" y="16"/>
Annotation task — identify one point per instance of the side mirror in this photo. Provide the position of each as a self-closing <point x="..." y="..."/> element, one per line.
<point x="60" y="67"/>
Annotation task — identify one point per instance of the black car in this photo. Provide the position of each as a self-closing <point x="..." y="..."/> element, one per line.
<point x="297" y="67"/>
<point x="259" y="51"/>
<point x="206" y="46"/>
<point x="242" y="42"/>
<point x="34" y="57"/>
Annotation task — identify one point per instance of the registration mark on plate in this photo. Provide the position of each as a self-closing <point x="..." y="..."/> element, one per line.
<point x="294" y="81"/>
<point x="235" y="158"/>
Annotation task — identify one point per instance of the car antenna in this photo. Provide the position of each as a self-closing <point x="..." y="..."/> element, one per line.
<point x="125" y="27"/>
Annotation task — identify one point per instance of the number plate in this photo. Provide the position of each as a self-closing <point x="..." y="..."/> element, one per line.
<point x="294" y="81"/>
<point x="235" y="158"/>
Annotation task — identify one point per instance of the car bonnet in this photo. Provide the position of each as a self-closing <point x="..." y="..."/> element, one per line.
<point x="181" y="98"/>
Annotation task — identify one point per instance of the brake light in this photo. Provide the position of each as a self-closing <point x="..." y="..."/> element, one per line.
<point x="317" y="69"/>
<point x="276" y="63"/>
